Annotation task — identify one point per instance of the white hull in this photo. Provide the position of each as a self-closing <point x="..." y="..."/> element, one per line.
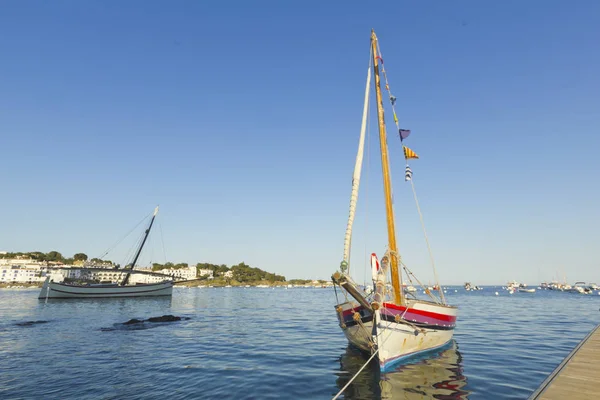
<point x="52" y="290"/>
<point x="527" y="290"/>
<point x="397" y="340"/>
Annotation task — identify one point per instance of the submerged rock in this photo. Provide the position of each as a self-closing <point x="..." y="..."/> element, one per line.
<point x="133" y="321"/>
<point x="167" y="318"/>
<point x="31" y="323"/>
<point x="140" y="324"/>
<point x="164" y="318"/>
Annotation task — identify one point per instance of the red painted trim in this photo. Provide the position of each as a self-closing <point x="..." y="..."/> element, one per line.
<point x="442" y="317"/>
<point x="352" y="310"/>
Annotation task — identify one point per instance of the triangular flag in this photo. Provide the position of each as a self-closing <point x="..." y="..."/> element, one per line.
<point x="403" y="133"/>
<point x="408" y="153"/>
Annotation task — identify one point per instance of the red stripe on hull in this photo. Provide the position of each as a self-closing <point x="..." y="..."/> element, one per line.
<point x="442" y="317"/>
<point x="352" y="310"/>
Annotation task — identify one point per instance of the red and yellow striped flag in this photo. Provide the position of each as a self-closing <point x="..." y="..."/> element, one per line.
<point x="408" y="153"/>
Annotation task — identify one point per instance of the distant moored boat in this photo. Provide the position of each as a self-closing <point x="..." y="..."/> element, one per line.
<point x="55" y="290"/>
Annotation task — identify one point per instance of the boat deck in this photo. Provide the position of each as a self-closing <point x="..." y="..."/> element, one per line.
<point x="577" y="377"/>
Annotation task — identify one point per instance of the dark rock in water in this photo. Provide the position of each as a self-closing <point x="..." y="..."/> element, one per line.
<point x="133" y="321"/>
<point x="140" y="324"/>
<point x="165" y="318"/>
<point x="30" y="323"/>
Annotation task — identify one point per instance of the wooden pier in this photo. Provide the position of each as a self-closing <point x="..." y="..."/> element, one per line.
<point x="578" y="376"/>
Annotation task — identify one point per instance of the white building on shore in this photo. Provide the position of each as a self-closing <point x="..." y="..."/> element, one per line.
<point x="22" y="270"/>
<point x="205" y="272"/>
<point x="19" y="270"/>
<point x="21" y="274"/>
<point x="178" y="274"/>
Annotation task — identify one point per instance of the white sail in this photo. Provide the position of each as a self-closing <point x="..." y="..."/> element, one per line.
<point x="356" y="175"/>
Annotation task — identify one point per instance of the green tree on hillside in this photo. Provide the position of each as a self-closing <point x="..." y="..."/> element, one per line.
<point x="38" y="255"/>
<point x="54" y="256"/>
<point x="245" y="273"/>
<point x="80" y="257"/>
<point x="157" y="267"/>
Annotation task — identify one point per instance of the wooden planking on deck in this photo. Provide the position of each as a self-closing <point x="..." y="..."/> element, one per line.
<point x="578" y="376"/>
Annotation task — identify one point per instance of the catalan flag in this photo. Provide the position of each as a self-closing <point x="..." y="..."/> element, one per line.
<point x="408" y="153"/>
<point x="408" y="174"/>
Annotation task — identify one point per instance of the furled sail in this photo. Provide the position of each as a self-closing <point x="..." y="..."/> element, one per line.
<point x="356" y="177"/>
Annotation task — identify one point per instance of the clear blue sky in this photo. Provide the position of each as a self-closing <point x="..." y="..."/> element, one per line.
<point x="241" y="120"/>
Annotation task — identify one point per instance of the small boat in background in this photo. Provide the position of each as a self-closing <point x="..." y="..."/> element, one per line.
<point x="469" y="288"/>
<point x="525" y="290"/>
<point x="580" y="287"/>
<point x="410" y="289"/>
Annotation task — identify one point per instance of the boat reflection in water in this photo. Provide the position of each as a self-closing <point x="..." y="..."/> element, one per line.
<point x="436" y="375"/>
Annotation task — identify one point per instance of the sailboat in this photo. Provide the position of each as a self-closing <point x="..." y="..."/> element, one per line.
<point x="56" y="290"/>
<point x="388" y="323"/>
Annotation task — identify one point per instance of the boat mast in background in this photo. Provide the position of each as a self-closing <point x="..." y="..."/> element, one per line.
<point x="137" y="255"/>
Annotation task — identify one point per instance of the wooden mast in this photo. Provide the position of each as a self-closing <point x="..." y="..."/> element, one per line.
<point x="137" y="255"/>
<point x="387" y="184"/>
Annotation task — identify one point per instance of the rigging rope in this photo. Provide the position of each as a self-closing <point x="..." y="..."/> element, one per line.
<point x="437" y="281"/>
<point x="133" y="249"/>
<point x="393" y="103"/>
<point x="124" y="237"/>
<point x="162" y="239"/>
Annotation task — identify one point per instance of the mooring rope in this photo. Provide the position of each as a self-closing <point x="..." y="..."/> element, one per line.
<point x="355" y="375"/>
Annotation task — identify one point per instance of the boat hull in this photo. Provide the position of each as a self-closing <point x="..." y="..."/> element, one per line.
<point x="400" y="332"/>
<point x="52" y="290"/>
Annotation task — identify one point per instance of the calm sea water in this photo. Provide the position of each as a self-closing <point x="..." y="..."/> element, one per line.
<point x="273" y="343"/>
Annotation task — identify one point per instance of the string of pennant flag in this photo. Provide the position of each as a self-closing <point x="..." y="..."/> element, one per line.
<point x="402" y="133"/>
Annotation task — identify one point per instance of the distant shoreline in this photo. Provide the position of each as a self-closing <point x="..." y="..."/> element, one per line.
<point x="12" y="285"/>
<point x="191" y="283"/>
